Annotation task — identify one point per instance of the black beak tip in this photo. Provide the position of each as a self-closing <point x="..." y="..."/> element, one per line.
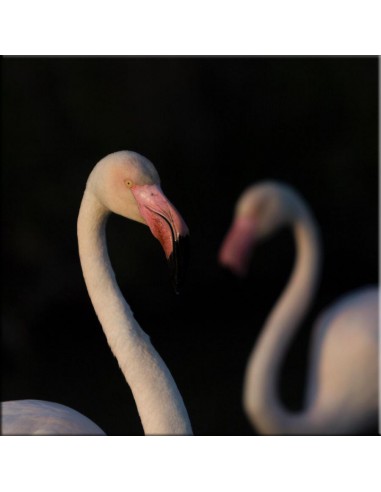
<point x="178" y="262"/>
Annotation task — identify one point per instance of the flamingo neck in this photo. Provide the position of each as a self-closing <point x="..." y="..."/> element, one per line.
<point x="159" y="403"/>
<point x="261" y="399"/>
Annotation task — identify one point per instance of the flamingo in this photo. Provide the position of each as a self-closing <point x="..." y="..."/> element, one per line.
<point x="127" y="184"/>
<point x="342" y="394"/>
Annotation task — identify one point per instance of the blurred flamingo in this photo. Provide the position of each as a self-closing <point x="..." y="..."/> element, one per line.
<point x="342" y="383"/>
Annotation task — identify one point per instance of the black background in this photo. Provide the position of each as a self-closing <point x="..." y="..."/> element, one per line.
<point x="211" y="126"/>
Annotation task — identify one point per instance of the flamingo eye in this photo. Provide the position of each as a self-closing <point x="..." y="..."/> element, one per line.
<point x="128" y="183"/>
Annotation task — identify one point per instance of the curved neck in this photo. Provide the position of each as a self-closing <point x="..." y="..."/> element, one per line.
<point x="159" y="403"/>
<point x="261" y="399"/>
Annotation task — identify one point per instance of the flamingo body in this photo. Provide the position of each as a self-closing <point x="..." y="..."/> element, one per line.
<point x="37" y="417"/>
<point x="343" y="371"/>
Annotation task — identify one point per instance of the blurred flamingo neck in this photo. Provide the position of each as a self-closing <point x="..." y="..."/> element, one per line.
<point x="260" y="392"/>
<point x="157" y="398"/>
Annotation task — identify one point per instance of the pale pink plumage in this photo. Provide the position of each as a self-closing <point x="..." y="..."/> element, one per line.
<point x="342" y="384"/>
<point x="159" y="403"/>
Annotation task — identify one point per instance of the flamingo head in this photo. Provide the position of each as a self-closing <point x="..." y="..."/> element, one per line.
<point x="260" y="211"/>
<point x="126" y="183"/>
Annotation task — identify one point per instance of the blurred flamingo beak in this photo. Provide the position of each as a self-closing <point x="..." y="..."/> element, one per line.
<point x="236" y="249"/>
<point x="167" y="225"/>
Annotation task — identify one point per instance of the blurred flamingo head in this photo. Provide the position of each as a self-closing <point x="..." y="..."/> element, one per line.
<point x="260" y="211"/>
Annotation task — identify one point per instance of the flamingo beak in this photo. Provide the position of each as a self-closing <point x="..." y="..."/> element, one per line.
<point x="236" y="249"/>
<point x="167" y="225"/>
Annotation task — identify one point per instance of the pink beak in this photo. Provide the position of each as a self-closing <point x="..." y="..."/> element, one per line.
<point x="167" y="225"/>
<point x="235" y="252"/>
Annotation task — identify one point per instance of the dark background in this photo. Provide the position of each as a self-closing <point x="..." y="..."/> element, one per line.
<point x="211" y="126"/>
